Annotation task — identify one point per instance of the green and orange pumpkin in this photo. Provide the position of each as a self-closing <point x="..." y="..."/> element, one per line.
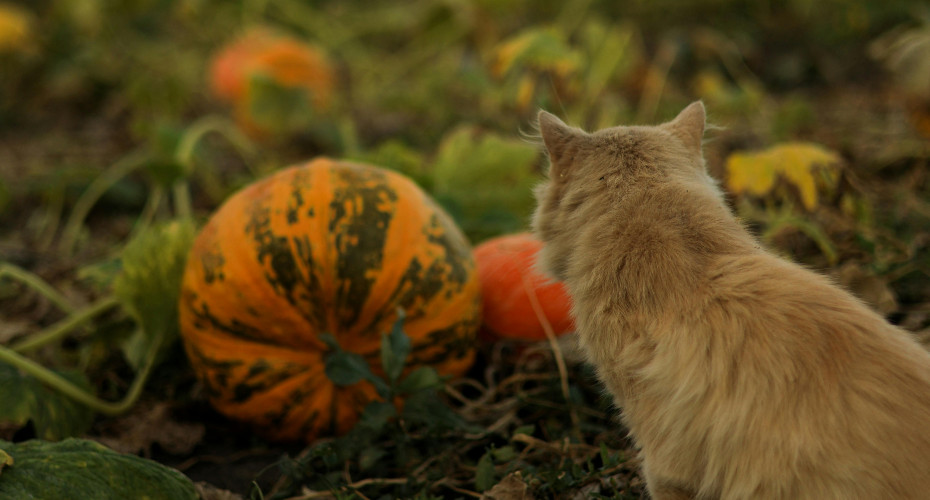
<point x="264" y="54"/>
<point x="325" y="247"/>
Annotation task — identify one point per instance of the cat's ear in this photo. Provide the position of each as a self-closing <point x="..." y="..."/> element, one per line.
<point x="689" y="126"/>
<point x="560" y="141"/>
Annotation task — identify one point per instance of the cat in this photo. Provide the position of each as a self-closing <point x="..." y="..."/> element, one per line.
<point x="738" y="374"/>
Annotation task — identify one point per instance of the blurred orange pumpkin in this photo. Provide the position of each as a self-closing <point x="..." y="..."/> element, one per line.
<point x="509" y="281"/>
<point x="286" y="62"/>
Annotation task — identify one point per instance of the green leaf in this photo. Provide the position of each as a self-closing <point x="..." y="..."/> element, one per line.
<point x="16" y="395"/>
<point x="78" y="468"/>
<point x="504" y="454"/>
<point x="483" y="178"/>
<point x="5" y="460"/>
<point x="376" y="415"/>
<point x="149" y="285"/>
<point x="330" y="341"/>
<point x="369" y="457"/>
<point x="396" y="155"/>
<point x="54" y="415"/>
<point x="346" y="368"/>
<point x="484" y="472"/>
<point x="424" y="377"/>
<point x="278" y="108"/>
<point x="612" y="54"/>
<point x="525" y="429"/>
<point x="163" y="167"/>
<point x="395" y="346"/>
<point x="605" y="455"/>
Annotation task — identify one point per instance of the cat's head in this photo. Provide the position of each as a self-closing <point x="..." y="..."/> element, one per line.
<point x="593" y="172"/>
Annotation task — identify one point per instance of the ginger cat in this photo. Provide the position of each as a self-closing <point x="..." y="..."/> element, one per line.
<point x="739" y="375"/>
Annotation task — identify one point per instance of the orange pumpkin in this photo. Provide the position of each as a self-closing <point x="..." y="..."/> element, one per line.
<point x="518" y="299"/>
<point x="325" y="247"/>
<point x="290" y="63"/>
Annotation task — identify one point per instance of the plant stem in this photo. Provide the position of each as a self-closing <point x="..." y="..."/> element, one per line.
<point x="149" y="210"/>
<point x="32" y="280"/>
<point x="184" y="154"/>
<point x="556" y="353"/>
<point x="74" y="392"/>
<point x="92" y="194"/>
<point x="64" y="326"/>
<point x="182" y="200"/>
<point x="51" y="219"/>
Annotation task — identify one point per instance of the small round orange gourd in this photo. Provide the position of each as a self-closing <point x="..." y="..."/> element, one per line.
<point x="509" y="283"/>
<point x="326" y="247"/>
<point x="289" y="62"/>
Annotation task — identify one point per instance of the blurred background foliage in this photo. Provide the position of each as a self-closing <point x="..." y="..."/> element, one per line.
<point x="118" y="115"/>
<point x="444" y="90"/>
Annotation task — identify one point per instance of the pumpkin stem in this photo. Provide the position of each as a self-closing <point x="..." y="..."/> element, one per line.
<point x="74" y="392"/>
<point x="64" y="326"/>
<point x="32" y="280"/>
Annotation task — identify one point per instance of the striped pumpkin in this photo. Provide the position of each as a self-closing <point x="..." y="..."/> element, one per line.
<point x="325" y="247"/>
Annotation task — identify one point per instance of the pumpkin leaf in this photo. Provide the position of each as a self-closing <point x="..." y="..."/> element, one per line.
<point x="54" y="416"/>
<point x="395" y="347"/>
<point x="15" y="397"/>
<point x="796" y="162"/>
<point x="78" y="468"/>
<point x="346" y="368"/>
<point x="149" y="285"/>
<point x="376" y="415"/>
<point x="485" y="181"/>
<point x="424" y="377"/>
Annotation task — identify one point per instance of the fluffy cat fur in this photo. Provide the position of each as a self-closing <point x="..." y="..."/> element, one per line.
<point x="738" y="374"/>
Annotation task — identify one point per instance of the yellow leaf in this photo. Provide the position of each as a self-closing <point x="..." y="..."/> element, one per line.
<point x="709" y="83"/>
<point x="508" y="51"/>
<point x="5" y="460"/>
<point x="750" y="173"/>
<point x="538" y="48"/>
<point x="15" y="27"/>
<point x="525" y="91"/>
<point x="796" y="162"/>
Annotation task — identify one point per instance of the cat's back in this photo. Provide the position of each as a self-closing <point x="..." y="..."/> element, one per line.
<point x="841" y="396"/>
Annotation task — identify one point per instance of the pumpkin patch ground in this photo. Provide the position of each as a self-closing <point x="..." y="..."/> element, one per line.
<point x="279" y="249"/>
